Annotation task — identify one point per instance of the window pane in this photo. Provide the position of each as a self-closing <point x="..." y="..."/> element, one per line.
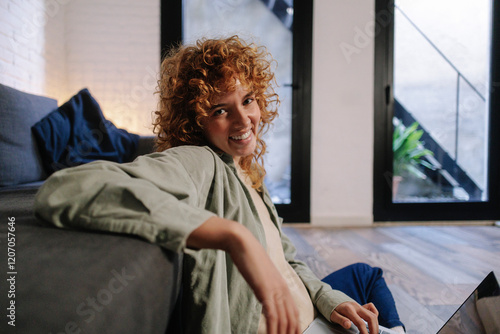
<point x="254" y="20"/>
<point x="441" y="74"/>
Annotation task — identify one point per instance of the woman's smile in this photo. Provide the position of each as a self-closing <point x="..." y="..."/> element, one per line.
<point x="243" y="136"/>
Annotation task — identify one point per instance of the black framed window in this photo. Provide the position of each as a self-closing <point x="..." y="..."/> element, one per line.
<point x="291" y="193"/>
<point x="436" y="97"/>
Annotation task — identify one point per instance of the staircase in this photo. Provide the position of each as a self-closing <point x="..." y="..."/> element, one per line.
<point x="448" y="174"/>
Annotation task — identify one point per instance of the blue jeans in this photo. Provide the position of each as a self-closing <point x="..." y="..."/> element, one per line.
<point x="365" y="284"/>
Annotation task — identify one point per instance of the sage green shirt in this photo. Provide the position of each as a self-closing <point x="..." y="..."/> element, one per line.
<point x="163" y="197"/>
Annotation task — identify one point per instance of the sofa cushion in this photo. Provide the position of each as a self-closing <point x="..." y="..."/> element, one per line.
<point x="77" y="133"/>
<point x="19" y="158"/>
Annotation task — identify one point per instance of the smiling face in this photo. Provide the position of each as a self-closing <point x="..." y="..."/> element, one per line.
<point x="233" y="122"/>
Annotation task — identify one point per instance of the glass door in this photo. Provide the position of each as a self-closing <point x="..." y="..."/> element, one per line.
<point x="441" y="111"/>
<point x="437" y="73"/>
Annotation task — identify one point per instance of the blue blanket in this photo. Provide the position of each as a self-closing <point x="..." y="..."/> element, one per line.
<point x="77" y="133"/>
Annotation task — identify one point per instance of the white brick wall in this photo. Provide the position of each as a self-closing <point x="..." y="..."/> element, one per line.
<point x="22" y="44"/>
<point x="111" y="47"/>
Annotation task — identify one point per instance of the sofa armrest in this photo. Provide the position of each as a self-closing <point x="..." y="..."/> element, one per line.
<point x="92" y="282"/>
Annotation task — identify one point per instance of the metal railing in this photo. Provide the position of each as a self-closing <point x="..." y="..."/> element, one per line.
<point x="450" y="164"/>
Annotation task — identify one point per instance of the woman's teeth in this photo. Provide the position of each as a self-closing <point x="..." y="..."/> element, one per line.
<point x="243" y="136"/>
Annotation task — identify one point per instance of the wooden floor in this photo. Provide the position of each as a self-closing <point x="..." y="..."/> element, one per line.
<point x="430" y="270"/>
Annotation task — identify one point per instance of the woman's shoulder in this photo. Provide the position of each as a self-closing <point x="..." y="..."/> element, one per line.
<point x="191" y="157"/>
<point x="190" y="153"/>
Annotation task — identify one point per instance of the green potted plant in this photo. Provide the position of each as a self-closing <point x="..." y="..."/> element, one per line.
<point x="408" y="151"/>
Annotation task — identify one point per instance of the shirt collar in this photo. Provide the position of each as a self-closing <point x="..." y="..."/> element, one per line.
<point x="227" y="158"/>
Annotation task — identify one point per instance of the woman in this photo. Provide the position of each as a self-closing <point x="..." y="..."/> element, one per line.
<point x="203" y="194"/>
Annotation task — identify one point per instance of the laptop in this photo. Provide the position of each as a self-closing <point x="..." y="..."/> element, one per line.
<point x="479" y="314"/>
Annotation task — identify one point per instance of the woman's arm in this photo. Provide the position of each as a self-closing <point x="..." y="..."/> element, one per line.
<point x="256" y="267"/>
<point x="154" y="198"/>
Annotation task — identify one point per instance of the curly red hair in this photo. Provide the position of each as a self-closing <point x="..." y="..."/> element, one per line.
<point x="192" y="76"/>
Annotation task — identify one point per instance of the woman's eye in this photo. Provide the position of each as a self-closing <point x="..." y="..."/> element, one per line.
<point x="219" y="112"/>
<point x="248" y="101"/>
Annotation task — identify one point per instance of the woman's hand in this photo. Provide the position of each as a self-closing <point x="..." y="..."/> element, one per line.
<point x="351" y="312"/>
<point x="251" y="259"/>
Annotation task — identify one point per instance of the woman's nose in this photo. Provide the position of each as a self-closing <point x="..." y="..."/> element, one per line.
<point x="241" y="118"/>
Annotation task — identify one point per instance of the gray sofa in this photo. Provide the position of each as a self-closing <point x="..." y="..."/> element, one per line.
<point x="71" y="281"/>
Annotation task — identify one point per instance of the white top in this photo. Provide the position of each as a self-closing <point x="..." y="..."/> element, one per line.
<point x="299" y="292"/>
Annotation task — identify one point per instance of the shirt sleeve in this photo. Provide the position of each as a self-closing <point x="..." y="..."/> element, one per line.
<point x="324" y="298"/>
<point x="154" y="197"/>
